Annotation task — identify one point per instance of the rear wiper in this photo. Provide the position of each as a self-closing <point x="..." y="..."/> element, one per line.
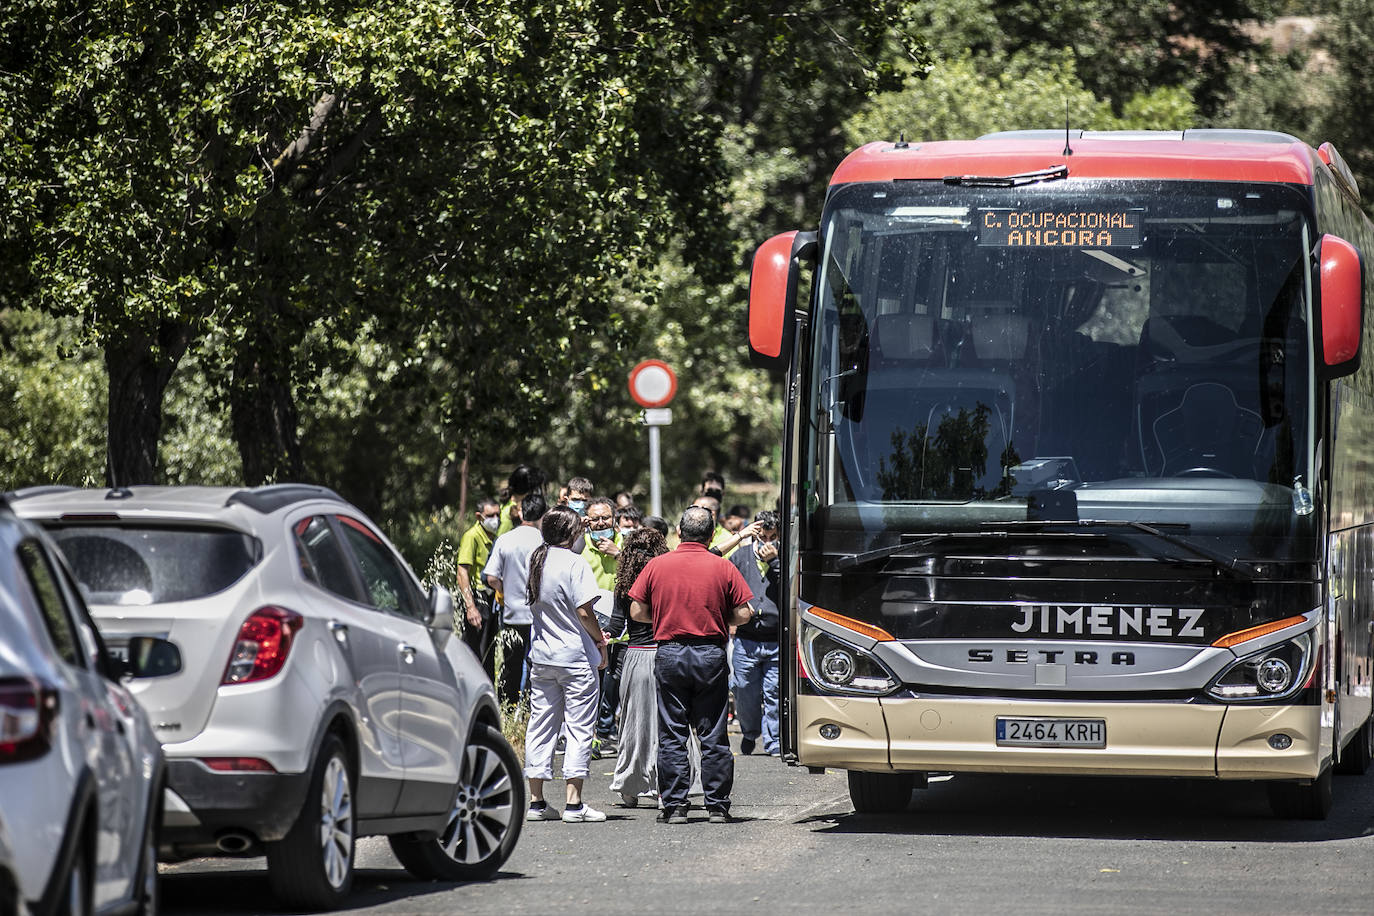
<point x="1224" y="561"/>
<point x="1054" y="173"/>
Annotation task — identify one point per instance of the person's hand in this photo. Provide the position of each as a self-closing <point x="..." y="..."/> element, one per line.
<point x="602" y="664"/>
<point x="750" y="530"/>
<point x="607" y="546"/>
<point x="766" y="552"/>
<point x="473" y="616"/>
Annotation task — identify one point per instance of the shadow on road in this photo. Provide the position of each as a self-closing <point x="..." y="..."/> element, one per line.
<point x="228" y="889"/>
<point x="1109" y="808"/>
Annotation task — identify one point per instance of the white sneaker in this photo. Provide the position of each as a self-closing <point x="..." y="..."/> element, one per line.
<point x="586" y="814"/>
<point x="546" y="813"/>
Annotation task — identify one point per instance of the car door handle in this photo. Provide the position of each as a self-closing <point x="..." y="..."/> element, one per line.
<point x="408" y="652"/>
<point x="340" y="631"/>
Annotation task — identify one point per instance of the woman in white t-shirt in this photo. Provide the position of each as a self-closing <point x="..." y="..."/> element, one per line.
<point x="567" y="646"/>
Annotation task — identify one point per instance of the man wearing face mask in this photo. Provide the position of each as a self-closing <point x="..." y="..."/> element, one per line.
<point x="579" y="493"/>
<point x="755" y="655"/>
<point x="602" y="553"/>
<point x="473" y="550"/>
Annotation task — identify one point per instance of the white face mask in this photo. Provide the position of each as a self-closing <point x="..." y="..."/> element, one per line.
<point x="491" y="523"/>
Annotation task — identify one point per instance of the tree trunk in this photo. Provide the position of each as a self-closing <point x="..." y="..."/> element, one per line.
<point x="139" y="368"/>
<point x="263" y="415"/>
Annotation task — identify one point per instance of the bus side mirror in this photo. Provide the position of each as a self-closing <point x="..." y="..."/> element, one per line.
<point x="1342" y="306"/>
<point x="773" y="297"/>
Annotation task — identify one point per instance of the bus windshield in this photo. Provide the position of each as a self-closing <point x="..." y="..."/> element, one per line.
<point x="1136" y="352"/>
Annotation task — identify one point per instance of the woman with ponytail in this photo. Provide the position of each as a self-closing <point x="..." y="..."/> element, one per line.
<point x="567" y="646"/>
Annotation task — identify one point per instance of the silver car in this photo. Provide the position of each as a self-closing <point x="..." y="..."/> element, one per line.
<point x="80" y="767"/>
<point x="323" y="695"/>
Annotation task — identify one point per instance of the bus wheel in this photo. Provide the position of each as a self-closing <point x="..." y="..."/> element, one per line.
<point x="880" y="793"/>
<point x="1359" y="752"/>
<point x="1295" y="801"/>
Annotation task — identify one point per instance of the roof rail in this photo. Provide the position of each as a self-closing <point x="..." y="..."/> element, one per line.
<point x="270" y="498"/>
<point x="1195" y="134"/>
<point x="41" y="490"/>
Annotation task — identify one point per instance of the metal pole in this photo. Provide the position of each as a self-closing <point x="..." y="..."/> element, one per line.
<point x="655" y="472"/>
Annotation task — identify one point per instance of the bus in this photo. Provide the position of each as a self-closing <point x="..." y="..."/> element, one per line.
<point x="1077" y="463"/>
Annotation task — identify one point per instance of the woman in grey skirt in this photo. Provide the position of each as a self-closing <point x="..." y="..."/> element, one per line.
<point x="636" y="766"/>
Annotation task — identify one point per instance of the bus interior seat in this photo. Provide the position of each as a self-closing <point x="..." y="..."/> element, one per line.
<point x="904" y="338"/>
<point x="1208" y="429"/>
<point x="1191" y="374"/>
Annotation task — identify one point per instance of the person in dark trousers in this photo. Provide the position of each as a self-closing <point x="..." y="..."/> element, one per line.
<point x="692" y="597"/>
<point x="506" y="572"/>
<point x="755" y="655"/>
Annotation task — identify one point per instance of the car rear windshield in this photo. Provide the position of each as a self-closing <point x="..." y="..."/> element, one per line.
<point x="136" y="565"/>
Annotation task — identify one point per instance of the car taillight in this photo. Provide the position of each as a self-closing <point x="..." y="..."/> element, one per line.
<point x="28" y="710"/>
<point x="263" y="643"/>
<point x="238" y="764"/>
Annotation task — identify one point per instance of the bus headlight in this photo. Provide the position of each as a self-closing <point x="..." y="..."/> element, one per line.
<point x="1270" y="674"/>
<point x="836" y="666"/>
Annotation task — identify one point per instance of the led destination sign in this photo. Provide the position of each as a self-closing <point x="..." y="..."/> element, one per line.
<point x="1079" y="228"/>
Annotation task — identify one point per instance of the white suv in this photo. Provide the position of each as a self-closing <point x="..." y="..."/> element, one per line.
<point x="323" y="695"/>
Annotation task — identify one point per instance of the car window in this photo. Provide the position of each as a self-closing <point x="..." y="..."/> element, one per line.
<point x="322" y="559"/>
<point x="387" y="584"/>
<point x="141" y="564"/>
<point x="55" y="617"/>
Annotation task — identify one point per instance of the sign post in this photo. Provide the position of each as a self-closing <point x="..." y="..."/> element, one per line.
<point x="652" y="385"/>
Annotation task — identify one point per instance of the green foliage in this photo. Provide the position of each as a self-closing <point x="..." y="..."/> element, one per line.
<point x="967" y="96"/>
<point x="52" y="403"/>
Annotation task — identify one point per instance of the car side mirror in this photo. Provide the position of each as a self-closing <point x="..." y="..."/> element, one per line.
<point x="441" y="609"/>
<point x="1341" y="311"/>
<point x="148" y="656"/>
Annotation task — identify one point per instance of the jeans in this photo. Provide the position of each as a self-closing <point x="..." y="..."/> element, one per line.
<point x="693" y="690"/>
<point x="756" y="691"/>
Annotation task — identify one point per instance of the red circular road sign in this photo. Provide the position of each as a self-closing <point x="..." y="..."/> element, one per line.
<point x="652" y="383"/>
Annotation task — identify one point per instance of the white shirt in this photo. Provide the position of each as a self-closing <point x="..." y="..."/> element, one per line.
<point x="558" y="637"/>
<point x="510" y="562"/>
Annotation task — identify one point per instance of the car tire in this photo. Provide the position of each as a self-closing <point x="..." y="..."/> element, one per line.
<point x="146" y="891"/>
<point x="312" y="866"/>
<point x="484" y="825"/>
<point x="881" y="793"/>
<point x="1296" y="801"/>
<point x="1359" y="752"/>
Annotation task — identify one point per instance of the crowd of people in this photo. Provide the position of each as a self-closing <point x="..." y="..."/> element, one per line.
<point x="622" y="646"/>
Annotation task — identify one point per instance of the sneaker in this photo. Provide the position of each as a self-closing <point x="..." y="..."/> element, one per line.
<point x="542" y="813"/>
<point x="629" y="800"/>
<point x="718" y="816"/>
<point x="586" y="814"/>
<point x="746" y="746"/>
<point x="673" y="816"/>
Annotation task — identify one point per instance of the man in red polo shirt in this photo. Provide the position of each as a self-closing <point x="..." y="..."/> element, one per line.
<point x="692" y="597"/>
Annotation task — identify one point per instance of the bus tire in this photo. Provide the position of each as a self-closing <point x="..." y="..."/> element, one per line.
<point x="1359" y="752"/>
<point x="880" y="793"/>
<point x="1298" y="801"/>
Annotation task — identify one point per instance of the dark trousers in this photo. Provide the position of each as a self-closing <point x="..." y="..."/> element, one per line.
<point x="517" y="647"/>
<point x="481" y="639"/>
<point x="693" y="687"/>
<point x="610" y="692"/>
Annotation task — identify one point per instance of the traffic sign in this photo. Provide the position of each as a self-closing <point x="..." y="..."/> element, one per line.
<point x="652" y="383"/>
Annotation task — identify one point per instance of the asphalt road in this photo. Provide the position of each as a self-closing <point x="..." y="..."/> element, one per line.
<point x="970" y="844"/>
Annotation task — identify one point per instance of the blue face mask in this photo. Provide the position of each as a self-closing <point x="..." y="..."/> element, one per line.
<point x="578" y="505"/>
<point x="601" y="534"/>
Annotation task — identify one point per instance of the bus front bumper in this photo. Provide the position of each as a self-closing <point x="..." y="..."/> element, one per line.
<point x="1142" y="739"/>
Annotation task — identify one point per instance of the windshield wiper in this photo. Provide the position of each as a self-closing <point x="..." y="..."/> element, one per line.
<point x="895" y="550"/>
<point x="1054" y="173"/>
<point x="1225" y="561"/>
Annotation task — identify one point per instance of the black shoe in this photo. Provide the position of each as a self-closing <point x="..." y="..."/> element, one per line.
<point x="719" y="817"/>
<point x="672" y="816"/>
<point x="746" y="746"/>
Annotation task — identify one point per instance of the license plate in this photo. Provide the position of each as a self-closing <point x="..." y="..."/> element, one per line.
<point x="1051" y="732"/>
